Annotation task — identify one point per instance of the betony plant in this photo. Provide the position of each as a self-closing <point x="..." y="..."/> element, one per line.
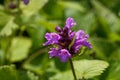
<point x="67" y="42"/>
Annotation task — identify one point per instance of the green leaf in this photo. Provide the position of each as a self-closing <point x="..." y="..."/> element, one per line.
<point x="19" y="49"/>
<point x="4" y="18"/>
<point x="72" y="5"/>
<point x="33" y="7"/>
<point x="27" y="75"/>
<point x="113" y="71"/>
<point x="48" y="25"/>
<point x="8" y="73"/>
<point x="115" y="56"/>
<point x="7" y="29"/>
<point x="103" y="47"/>
<point x="37" y="62"/>
<point x="67" y="75"/>
<point x="106" y="15"/>
<point x="37" y="36"/>
<point x="32" y="76"/>
<point x="89" y="68"/>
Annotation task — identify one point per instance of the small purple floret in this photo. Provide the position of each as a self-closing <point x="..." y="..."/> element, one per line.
<point x="81" y="40"/>
<point x="64" y="55"/>
<point x="53" y="52"/>
<point x="70" y="22"/>
<point x="26" y="2"/>
<point x="52" y="38"/>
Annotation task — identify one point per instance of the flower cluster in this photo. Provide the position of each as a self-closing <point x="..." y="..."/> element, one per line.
<point x="63" y="39"/>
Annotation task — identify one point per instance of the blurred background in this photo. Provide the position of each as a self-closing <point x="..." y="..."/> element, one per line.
<point x="22" y="30"/>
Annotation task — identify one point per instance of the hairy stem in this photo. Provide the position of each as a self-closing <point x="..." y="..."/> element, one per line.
<point x="73" y="70"/>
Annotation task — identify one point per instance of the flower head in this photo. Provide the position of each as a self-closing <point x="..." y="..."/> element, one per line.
<point x="63" y="39"/>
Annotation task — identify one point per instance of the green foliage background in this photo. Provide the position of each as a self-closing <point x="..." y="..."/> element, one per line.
<point x="22" y="30"/>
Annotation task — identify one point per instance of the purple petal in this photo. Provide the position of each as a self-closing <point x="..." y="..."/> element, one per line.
<point x="58" y="29"/>
<point x="64" y="55"/>
<point x="76" y="48"/>
<point x="53" y="52"/>
<point x="70" y="22"/>
<point x="81" y="40"/>
<point x="26" y="2"/>
<point x="79" y="43"/>
<point x="52" y="38"/>
<point x="87" y="44"/>
<point x="86" y="36"/>
<point x="79" y="34"/>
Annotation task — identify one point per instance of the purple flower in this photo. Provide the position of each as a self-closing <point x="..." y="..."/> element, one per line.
<point x="52" y="38"/>
<point x="63" y="39"/>
<point x="81" y="40"/>
<point x="70" y="22"/>
<point x="25" y="1"/>
<point x="62" y="54"/>
<point x="53" y="52"/>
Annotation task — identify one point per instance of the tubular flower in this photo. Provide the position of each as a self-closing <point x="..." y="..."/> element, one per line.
<point x="63" y="39"/>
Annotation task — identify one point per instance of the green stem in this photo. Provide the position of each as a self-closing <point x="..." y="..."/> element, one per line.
<point x="35" y="54"/>
<point x="73" y="70"/>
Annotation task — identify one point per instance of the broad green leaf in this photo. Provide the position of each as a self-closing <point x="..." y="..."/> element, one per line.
<point x="114" y="37"/>
<point x="38" y="62"/>
<point x="33" y="7"/>
<point x="115" y="56"/>
<point x="89" y="68"/>
<point x="72" y="5"/>
<point x="66" y="75"/>
<point x="114" y="71"/>
<point x="27" y="75"/>
<point x="103" y="47"/>
<point x="32" y="76"/>
<point x="105" y="14"/>
<point x="8" y="73"/>
<point x="19" y="49"/>
<point x="37" y="36"/>
<point x="88" y="18"/>
<point x="8" y="28"/>
<point x="53" y="10"/>
<point x="48" y="25"/>
<point x="4" y="18"/>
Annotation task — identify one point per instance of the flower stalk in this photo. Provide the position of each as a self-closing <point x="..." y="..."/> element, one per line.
<point x="73" y="70"/>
